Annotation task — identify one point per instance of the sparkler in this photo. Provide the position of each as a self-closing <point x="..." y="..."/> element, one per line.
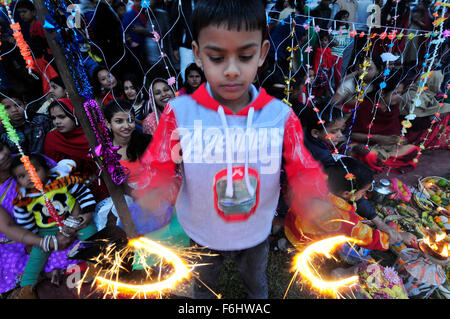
<point x="110" y="283"/>
<point x="303" y="265"/>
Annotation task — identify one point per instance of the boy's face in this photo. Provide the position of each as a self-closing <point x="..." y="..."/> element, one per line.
<point x="23" y="178"/>
<point x="230" y="60"/>
<point x="15" y="111"/>
<point x="27" y="15"/>
<point x="335" y="129"/>
<point x="324" y="42"/>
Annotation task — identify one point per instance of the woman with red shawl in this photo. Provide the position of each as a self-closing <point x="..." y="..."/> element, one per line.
<point x="67" y="141"/>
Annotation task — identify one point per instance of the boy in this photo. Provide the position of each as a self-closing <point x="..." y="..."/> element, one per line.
<point x="233" y="139"/>
<point x="323" y="65"/>
<point x="342" y="220"/>
<point x="31" y="128"/>
<point x="69" y="196"/>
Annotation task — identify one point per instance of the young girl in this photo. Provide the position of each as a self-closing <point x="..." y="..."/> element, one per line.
<point x="323" y="65"/>
<point x="57" y="91"/>
<point x="135" y="95"/>
<point x="157" y="224"/>
<point x="160" y="93"/>
<point x="120" y="119"/>
<point x="194" y="78"/>
<point x="105" y="85"/>
<point x="69" y="196"/>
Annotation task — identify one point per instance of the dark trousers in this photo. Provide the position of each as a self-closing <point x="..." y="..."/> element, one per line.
<point x="251" y="264"/>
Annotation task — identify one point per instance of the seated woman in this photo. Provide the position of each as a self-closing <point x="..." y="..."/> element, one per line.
<point x="105" y="86"/>
<point x="345" y="95"/>
<point x="68" y="141"/>
<point x="134" y="93"/>
<point x="376" y="131"/>
<point x="194" y="78"/>
<point x="160" y="93"/>
<point x="426" y="112"/>
<point x="14" y="240"/>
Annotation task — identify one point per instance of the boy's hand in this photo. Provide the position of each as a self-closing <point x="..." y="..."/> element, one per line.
<point x="394" y="235"/>
<point x="408" y="238"/>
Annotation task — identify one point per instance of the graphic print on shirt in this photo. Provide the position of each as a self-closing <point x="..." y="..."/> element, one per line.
<point x="242" y="204"/>
<point x="62" y="201"/>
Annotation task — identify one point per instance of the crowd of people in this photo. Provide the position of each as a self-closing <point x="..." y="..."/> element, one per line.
<point x="207" y="61"/>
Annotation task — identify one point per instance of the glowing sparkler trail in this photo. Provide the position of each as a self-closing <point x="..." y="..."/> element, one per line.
<point x="302" y="264"/>
<point x="182" y="271"/>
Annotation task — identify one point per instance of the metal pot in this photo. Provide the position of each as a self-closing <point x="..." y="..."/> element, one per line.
<point x="381" y="190"/>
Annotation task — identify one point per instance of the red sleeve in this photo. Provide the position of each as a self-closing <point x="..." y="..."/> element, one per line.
<point x="160" y="159"/>
<point x="304" y="174"/>
<point x="366" y="236"/>
<point x="36" y="29"/>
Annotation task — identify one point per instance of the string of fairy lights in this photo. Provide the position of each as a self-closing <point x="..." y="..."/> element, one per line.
<point x="395" y="34"/>
<point x="437" y="36"/>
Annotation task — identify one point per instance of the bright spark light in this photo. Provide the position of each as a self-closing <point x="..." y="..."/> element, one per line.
<point x="303" y="265"/>
<point x="181" y="271"/>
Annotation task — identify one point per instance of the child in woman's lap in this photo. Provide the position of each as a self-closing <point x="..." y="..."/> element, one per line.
<point x="68" y="195"/>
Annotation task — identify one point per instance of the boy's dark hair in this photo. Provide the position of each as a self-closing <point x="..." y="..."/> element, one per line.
<point x="26" y="4"/>
<point x="337" y="182"/>
<point x="34" y="157"/>
<point x="234" y="14"/>
<point x="328" y="113"/>
<point x="323" y="34"/>
<point x="58" y="81"/>
<point x="139" y="141"/>
<point x="12" y="94"/>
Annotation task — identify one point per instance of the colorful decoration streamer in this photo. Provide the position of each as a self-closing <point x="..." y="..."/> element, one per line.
<point x="17" y="34"/>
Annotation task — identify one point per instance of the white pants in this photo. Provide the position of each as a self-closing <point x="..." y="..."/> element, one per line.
<point x="186" y="58"/>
